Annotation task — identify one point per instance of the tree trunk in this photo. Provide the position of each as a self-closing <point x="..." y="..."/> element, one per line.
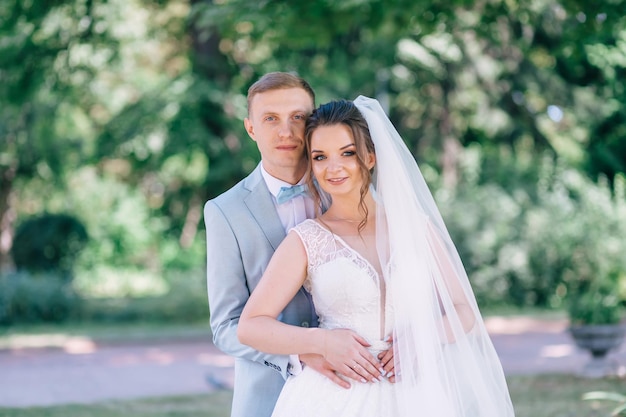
<point x="190" y="228"/>
<point x="7" y="217"/>
<point x="451" y="147"/>
<point x="449" y="161"/>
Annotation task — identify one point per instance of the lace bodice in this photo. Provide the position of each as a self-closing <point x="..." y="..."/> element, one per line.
<point x="345" y="287"/>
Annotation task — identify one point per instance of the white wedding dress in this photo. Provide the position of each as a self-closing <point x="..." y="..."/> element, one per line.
<point x="422" y="296"/>
<point x="347" y="293"/>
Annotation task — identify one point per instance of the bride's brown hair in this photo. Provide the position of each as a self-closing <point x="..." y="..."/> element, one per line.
<point x="346" y="113"/>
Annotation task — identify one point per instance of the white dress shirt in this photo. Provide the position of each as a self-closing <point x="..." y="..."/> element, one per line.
<point x="294" y="211"/>
<point x="291" y="213"/>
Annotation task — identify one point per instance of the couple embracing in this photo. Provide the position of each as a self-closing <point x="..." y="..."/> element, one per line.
<point x="331" y="276"/>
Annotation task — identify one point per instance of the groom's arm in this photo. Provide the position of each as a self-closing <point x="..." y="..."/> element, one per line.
<point x="228" y="291"/>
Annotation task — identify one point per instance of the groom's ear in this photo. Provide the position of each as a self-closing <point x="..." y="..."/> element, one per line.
<point x="247" y="123"/>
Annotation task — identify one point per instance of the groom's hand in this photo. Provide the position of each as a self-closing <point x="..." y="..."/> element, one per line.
<point x="321" y="365"/>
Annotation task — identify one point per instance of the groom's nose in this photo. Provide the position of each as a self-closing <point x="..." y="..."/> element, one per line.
<point x="285" y="129"/>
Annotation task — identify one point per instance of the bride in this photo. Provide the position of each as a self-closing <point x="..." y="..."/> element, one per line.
<point x="382" y="271"/>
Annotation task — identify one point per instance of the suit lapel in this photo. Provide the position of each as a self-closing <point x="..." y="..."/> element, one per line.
<point x="262" y="208"/>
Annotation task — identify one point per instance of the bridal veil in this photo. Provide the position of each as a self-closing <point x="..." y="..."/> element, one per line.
<point x="445" y="362"/>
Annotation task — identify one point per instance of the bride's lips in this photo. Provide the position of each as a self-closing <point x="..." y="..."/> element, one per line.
<point x="336" y="181"/>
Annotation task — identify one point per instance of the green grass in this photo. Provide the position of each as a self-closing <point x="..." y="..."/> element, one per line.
<point x="532" y="396"/>
<point x="560" y="395"/>
<point x="213" y="405"/>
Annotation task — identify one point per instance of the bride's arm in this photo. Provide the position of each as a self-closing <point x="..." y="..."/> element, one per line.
<point x="453" y="286"/>
<point x="260" y="328"/>
<point x="283" y="278"/>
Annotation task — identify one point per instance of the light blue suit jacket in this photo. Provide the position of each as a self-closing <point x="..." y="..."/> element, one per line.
<point x="243" y="231"/>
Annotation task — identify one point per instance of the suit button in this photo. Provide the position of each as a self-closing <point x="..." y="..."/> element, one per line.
<point x="305" y="324"/>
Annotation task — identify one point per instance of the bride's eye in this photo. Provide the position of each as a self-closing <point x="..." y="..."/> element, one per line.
<point x="319" y="157"/>
<point x="349" y="153"/>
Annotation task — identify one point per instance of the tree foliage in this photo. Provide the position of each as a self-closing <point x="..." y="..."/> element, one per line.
<point x="515" y="73"/>
<point x="148" y="97"/>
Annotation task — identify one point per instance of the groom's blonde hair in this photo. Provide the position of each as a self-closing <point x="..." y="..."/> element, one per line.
<point x="278" y="81"/>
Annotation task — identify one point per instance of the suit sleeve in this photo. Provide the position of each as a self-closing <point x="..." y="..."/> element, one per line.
<point x="228" y="291"/>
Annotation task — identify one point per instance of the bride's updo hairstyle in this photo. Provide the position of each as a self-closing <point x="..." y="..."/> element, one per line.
<point x="346" y="113"/>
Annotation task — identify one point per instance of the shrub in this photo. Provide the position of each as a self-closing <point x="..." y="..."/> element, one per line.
<point x="533" y="244"/>
<point x="185" y="301"/>
<point x="49" y="242"/>
<point x="27" y="298"/>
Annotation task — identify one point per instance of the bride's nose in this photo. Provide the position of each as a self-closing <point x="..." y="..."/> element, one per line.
<point x="334" y="164"/>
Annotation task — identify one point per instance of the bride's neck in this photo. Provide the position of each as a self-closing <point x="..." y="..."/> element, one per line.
<point x="349" y="210"/>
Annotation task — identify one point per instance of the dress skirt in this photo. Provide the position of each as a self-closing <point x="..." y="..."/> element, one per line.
<point x="311" y="394"/>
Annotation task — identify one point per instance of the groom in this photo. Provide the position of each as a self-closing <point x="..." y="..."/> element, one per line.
<point x="244" y="227"/>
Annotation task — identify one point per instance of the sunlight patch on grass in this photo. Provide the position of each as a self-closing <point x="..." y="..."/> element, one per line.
<point x="76" y="335"/>
<point x="117" y="283"/>
<point x="560" y="395"/>
<point x="69" y="343"/>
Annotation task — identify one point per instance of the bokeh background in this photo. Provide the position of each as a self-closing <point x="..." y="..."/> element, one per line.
<point x="120" y="118"/>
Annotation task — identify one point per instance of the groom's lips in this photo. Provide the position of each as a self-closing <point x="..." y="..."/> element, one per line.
<point x="287" y="147"/>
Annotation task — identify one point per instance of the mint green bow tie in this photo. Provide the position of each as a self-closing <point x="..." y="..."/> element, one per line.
<point x="287" y="193"/>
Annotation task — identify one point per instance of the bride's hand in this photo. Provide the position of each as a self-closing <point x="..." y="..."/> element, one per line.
<point x="347" y="352"/>
<point x="387" y="362"/>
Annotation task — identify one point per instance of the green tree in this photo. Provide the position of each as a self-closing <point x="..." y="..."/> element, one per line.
<point x="38" y="131"/>
<point x="53" y="58"/>
<point x="150" y="94"/>
<point x="514" y="74"/>
<point x="77" y="74"/>
<point x="180" y="139"/>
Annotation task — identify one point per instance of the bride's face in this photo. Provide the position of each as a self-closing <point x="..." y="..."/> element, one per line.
<point x="335" y="162"/>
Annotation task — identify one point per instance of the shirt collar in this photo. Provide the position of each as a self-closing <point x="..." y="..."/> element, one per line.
<point x="274" y="184"/>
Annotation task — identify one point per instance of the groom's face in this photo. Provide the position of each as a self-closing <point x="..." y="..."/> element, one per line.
<point x="276" y="123"/>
